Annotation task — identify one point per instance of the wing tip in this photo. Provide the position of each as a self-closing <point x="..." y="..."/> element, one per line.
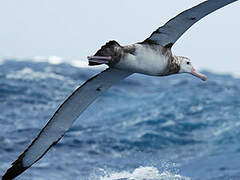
<point x="15" y="170"/>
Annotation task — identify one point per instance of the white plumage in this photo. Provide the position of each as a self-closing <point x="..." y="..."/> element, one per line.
<point x="145" y="60"/>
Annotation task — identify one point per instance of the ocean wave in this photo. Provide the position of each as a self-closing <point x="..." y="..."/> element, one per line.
<point x="29" y="74"/>
<point x="130" y="129"/>
<point x="142" y="173"/>
<point x="54" y="60"/>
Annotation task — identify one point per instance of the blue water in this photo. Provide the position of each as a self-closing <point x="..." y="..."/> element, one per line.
<point x="151" y="128"/>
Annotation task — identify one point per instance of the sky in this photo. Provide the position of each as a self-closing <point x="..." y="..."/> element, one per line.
<point x="74" y="29"/>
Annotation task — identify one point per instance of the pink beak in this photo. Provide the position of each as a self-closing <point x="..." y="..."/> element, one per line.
<point x="198" y="74"/>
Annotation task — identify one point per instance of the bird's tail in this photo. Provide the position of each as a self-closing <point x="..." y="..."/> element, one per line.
<point x="109" y="54"/>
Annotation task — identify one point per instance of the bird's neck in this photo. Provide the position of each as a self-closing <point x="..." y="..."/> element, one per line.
<point x="173" y="65"/>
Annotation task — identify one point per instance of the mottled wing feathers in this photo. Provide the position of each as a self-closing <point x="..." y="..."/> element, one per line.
<point x="63" y="119"/>
<point x="168" y="34"/>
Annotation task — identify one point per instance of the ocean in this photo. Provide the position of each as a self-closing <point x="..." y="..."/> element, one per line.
<point x="145" y="128"/>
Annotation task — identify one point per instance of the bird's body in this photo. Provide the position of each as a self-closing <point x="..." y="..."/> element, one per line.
<point x="153" y="57"/>
<point x="153" y="60"/>
<point x="149" y="60"/>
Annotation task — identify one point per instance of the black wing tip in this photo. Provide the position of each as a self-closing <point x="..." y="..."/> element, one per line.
<point x="16" y="169"/>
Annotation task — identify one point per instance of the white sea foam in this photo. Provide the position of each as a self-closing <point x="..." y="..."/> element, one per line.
<point x="142" y="173"/>
<point x="235" y="74"/>
<point x="59" y="60"/>
<point x="29" y="74"/>
<point x="51" y="60"/>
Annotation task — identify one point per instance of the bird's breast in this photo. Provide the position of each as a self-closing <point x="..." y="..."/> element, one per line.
<point x="145" y="60"/>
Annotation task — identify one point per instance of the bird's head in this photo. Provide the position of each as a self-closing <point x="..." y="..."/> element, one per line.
<point x="186" y="67"/>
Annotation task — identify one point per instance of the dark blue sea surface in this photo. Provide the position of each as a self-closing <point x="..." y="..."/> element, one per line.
<point x="144" y="128"/>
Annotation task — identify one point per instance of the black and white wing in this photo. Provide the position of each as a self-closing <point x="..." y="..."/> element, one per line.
<point x="168" y="34"/>
<point x="63" y="119"/>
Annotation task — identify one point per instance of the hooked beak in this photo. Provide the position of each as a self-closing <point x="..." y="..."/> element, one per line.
<point x="198" y="74"/>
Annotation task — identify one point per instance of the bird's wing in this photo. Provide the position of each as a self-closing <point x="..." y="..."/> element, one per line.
<point x="64" y="117"/>
<point x="170" y="32"/>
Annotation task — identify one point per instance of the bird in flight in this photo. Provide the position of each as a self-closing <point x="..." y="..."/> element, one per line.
<point x="153" y="56"/>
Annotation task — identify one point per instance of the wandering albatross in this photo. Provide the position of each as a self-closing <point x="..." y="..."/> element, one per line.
<point x="152" y="56"/>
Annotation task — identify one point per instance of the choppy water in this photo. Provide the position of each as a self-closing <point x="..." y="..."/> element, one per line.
<point x="145" y="128"/>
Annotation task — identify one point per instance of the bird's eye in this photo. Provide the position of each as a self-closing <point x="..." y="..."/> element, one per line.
<point x="188" y="62"/>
